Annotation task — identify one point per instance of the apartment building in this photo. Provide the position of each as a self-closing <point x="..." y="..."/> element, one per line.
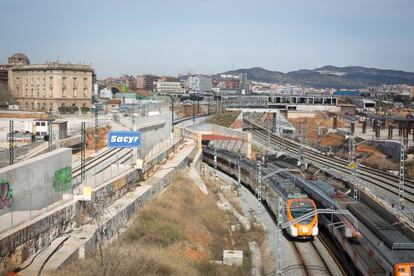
<point x="50" y="86"/>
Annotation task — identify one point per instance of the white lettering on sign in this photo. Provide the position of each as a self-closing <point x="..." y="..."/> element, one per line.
<point x="126" y="139"/>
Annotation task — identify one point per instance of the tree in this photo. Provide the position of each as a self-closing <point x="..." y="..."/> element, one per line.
<point x="6" y="97"/>
<point x="114" y="90"/>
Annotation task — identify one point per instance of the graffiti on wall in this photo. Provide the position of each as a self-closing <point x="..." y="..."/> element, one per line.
<point x="6" y="194"/>
<point x="63" y="180"/>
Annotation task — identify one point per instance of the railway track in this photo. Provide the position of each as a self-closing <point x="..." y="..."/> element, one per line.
<point x="311" y="257"/>
<point x="111" y="152"/>
<point x="123" y="155"/>
<point x="311" y="260"/>
<point x="373" y="177"/>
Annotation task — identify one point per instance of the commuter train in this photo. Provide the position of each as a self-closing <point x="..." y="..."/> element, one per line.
<point x="297" y="203"/>
<point x="404" y="269"/>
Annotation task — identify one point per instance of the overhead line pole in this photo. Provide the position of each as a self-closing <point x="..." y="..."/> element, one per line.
<point x="401" y="184"/>
<point x="96" y="125"/>
<point x="11" y="142"/>
<point x="83" y="151"/>
<point x="172" y="112"/>
<point x="50" y="143"/>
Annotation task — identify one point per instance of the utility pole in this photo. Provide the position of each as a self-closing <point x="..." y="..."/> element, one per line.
<point x="192" y="101"/>
<point x="83" y="150"/>
<point x="401" y="184"/>
<point x="302" y="142"/>
<point x="215" y="161"/>
<point x="49" y="121"/>
<point x="96" y="124"/>
<point x="259" y="182"/>
<point x="11" y="142"/>
<point x="198" y="106"/>
<point x="280" y="212"/>
<point x="268" y="136"/>
<point x="353" y="165"/>
<point x="172" y="112"/>
<point x="208" y="106"/>
<point x="238" y="172"/>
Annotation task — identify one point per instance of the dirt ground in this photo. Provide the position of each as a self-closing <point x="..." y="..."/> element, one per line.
<point x="102" y="135"/>
<point x="178" y="233"/>
<point x="225" y="118"/>
<point x="315" y="129"/>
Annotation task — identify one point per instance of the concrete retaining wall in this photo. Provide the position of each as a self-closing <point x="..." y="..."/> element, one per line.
<point x="32" y="182"/>
<point x="25" y="240"/>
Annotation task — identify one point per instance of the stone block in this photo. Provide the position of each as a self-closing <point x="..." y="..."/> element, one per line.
<point x="235" y="227"/>
<point x="225" y="188"/>
<point x="233" y="257"/>
<point x="223" y="206"/>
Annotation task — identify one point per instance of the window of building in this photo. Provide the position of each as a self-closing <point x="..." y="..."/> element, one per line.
<point x="43" y="123"/>
<point x="37" y="123"/>
<point x="63" y="86"/>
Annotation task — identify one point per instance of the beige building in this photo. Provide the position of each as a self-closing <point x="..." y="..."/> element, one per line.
<point x="50" y="86"/>
<point x="169" y="87"/>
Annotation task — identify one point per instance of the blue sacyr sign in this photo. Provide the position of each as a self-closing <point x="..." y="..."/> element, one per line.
<point x="124" y="139"/>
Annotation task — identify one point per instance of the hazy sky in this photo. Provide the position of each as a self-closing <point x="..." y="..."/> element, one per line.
<point x="208" y="36"/>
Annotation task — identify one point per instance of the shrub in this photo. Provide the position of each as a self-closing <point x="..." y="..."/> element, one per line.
<point x="74" y="109"/>
<point x="63" y="109"/>
<point x="85" y="109"/>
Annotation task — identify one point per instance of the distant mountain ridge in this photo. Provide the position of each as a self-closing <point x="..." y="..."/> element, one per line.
<point x="351" y="77"/>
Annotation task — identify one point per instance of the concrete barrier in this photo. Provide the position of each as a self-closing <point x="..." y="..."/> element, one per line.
<point x="35" y="183"/>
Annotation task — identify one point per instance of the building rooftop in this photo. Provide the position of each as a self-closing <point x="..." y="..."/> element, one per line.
<point x="54" y="66"/>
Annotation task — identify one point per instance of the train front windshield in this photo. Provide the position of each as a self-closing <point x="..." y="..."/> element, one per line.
<point x="301" y="208"/>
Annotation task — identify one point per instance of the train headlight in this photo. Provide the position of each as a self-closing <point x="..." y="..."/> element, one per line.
<point x="315" y="230"/>
<point x="293" y="231"/>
